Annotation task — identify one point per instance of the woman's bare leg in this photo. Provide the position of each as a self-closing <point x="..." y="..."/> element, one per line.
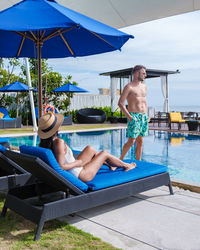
<point x="87" y="154"/>
<point x="115" y="162"/>
<point x="91" y="168"/>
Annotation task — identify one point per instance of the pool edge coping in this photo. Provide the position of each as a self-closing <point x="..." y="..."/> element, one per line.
<point x="186" y="185"/>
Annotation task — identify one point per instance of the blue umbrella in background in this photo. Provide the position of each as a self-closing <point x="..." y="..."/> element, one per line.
<point x="69" y="88"/>
<point x="45" y="29"/>
<point x="16" y="87"/>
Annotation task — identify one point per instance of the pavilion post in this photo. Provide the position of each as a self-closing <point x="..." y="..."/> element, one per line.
<point x="165" y="92"/>
<point x="113" y="89"/>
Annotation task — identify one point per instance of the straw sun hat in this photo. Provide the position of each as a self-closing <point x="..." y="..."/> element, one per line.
<point x="48" y="124"/>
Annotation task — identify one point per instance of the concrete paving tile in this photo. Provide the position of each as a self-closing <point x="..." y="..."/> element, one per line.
<point x="109" y="235"/>
<point x="183" y="200"/>
<point x="149" y="223"/>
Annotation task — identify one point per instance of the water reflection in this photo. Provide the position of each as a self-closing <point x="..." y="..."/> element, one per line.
<point x="109" y="140"/>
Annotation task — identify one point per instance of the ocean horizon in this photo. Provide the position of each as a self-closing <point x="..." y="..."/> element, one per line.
<point x="191" y="108"/>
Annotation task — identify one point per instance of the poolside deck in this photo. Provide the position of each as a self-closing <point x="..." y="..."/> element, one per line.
<point x="164" y="127"/>
<point x="28" y="130"/>
<point x="149" y="220"/>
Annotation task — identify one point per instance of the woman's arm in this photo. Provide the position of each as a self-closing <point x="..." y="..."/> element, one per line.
<point x="59" y="151"/>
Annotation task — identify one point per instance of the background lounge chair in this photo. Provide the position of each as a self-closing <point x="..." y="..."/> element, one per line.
<point x="58" y="193"/>
<point x="175" y="117"/>
<point x="160" y="118"/>
<point x="6" y="121"/>
<point x="67" y="119"/>
<point x="189" y="115"/>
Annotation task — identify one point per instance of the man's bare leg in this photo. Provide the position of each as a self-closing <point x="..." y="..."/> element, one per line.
<point x="127" y="146"/>
<point x="138" y="148"/>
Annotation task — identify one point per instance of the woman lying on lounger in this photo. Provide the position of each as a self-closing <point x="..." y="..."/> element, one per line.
<point x="88" y="161"/>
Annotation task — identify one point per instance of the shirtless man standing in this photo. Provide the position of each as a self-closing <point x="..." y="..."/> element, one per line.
<point x="137" y="127"/>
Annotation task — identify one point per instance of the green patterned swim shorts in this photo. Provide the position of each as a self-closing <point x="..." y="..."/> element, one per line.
<point x="138" y="125"/>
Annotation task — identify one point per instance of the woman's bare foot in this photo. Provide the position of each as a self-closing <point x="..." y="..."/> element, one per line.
<point x="130" y="166"/>
<point x="112" y="168"/>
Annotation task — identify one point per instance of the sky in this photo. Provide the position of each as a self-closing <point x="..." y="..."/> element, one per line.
<point x="166" y="44"/>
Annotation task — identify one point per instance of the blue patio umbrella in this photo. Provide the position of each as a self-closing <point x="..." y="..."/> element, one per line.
<point x="69" y="87"/>
<point x="16" y="87"/>
<point x="45" y="29"/>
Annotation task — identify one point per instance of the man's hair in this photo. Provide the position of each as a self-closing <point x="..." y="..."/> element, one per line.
<point x="137" y="68"/>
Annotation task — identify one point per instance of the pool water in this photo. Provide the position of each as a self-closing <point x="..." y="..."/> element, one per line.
<point x="180" y="152"/>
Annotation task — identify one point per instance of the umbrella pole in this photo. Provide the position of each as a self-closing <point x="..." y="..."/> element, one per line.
<point x="17" y="105"/>
<point x="39" y="46"/>
<point x="31" y="95"/>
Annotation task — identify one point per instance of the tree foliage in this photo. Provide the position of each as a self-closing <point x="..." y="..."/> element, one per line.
<point x="50" y="81"/>
<point x="7" y="76"/>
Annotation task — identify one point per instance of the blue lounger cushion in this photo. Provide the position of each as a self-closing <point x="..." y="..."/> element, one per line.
<point x="4" y="139"/>
<point x="8" y="119"/>
<point x="2" y="148"/>
<point x="47" y="156"/>
<point x="106" y="178"/>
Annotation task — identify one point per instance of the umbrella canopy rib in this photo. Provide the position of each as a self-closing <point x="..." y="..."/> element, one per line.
<point x="23" y="34"/>
<point x="58" y="32"/>
<point x="53" y="34"/>
<point x="66" y="43"/>
<point x="33" y="35"/>
<point x="21" y="45"/>
<point x="100" y="38"/>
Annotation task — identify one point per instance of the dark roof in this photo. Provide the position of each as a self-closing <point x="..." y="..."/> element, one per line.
<point x="125" y="73"/>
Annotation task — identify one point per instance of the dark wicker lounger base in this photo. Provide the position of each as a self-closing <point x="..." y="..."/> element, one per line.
<point x="11" y="175"/>
<point x="34" y="202"/>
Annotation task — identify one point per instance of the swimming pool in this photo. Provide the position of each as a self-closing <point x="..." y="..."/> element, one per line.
<point x="180" y="152"/>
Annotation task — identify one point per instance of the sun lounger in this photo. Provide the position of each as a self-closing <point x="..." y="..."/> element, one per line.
<point x="11" y="174"/>
<point x="176" y="117"/>
<point x="7" y="122"/>
<point x="58" y="193"/>
<point x="160" y="118"/>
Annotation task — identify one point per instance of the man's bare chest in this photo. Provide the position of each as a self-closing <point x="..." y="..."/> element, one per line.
<point x="137" y="92"/>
